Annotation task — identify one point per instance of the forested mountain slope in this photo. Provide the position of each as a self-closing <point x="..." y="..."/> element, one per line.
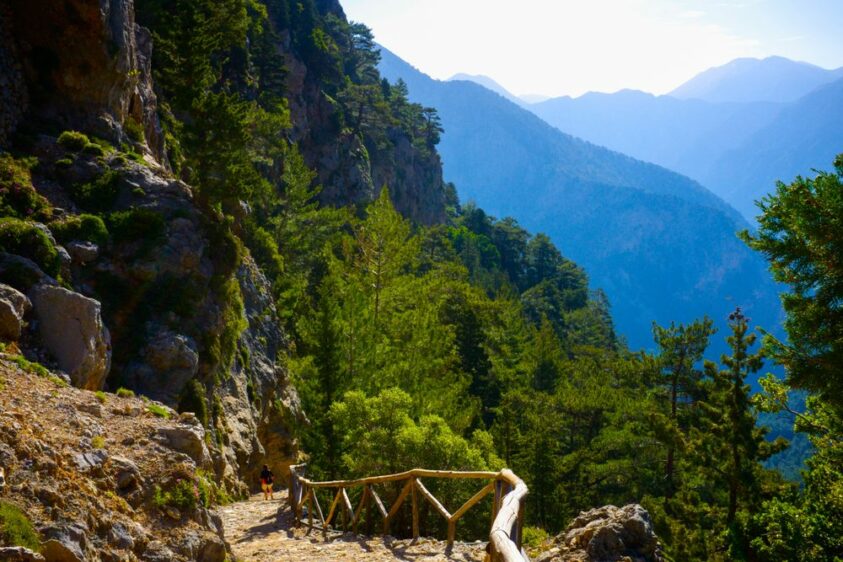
<point x="738" y="145"/>
<point x="661" y="246"/>
<point x="247" y="226"/>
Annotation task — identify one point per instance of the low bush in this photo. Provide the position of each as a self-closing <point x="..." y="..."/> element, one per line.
<point x="93" y="149"/>
<point x="16" y="529"/>
<point x="18" y="197"/>
<point x="31" y="366"/>
<point x="182" y="494"/>
<point x="193" y="400"/>
<point x="25" y="239"/>
<point x="73" y="140"/>
<point x="101" y="396"/>
<point x="85" y="227"/>
<point x="125" y="393"/>
<point x="137" y="224"/>
<point x="134" y="130"/>
<point x="98" y="442"/>
<point x="98" y="195"/>
<point x="158" y="410"/>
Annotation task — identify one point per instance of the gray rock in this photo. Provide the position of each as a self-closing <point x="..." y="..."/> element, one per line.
<point x="89" y="461"/>
<point x="127" y="475"/>
<point x="65" y="543"/>
<point x="607" y="533"/>
<point x="13" y="306"/>
<point x="19" y="554"/>
<point x="65" y="262"/>
<point x="72" y="330"/>
<point x="169" y="361"/>
<point x="93" y="408"/>
<point x="119" y="537"/>
<point x="17" y="299"/>
<point x="22" y="273"/>
<point x="83" y="252"/>
<point x="187" y="440"/>
<point x="213" y="550"/>
<point x="156" y="551"/>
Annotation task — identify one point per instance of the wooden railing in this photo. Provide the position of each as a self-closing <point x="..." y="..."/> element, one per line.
<point x="507" y="506"/>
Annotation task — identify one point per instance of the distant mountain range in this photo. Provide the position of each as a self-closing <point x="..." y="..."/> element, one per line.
<point x="662" y="246"/>
<point x="773" y="79"/>
<point x="736" y="129"/>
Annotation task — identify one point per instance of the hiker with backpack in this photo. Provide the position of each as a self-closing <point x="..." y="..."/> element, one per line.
<point x="267" y="478"/>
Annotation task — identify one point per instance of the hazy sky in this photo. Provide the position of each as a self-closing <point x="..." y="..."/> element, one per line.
<point x="558" y="47"/>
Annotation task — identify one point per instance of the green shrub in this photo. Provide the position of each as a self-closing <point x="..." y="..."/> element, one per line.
<point x="73" y="140"/>
<point x="98" y="195"/>
<point x="25" y="239"/>
<point x="182" y="494"/>
<point x="31" y="366"/>
<point x="125" y="393"/>
<point x="119" y="160"/>
<point x="64" y="163"/>
<point x="534" y="536"/>
<point x="193" y="400"/>
<point x="98" y="442"/>
<point x="80" y="227"/>
<point x="101" y="396"/>
<point x="264" y="249"/>
<point x="210" y="493"/>
<point x="137" y="224"/>
<point x="134" y="130"/>
<point x="158" y="410"/>
<point x="18" y="197"/>
<point x="93" y="149"/>
<point x="16" y="529"/>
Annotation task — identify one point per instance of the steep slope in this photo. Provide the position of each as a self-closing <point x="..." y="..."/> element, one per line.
<point x="103" y="477"/>
<point x="774" y="79"/>
<point x="804" y="136"/>
<point x="661" y="245"/>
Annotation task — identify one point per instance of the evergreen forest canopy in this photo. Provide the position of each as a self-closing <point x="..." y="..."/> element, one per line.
<point x="474" y="344"/>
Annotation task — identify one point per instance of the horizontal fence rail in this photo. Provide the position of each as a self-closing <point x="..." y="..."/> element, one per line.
<point x="507" y="506"/>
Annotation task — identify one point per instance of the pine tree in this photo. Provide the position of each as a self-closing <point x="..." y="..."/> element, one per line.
<point x="733" y="445"/>
<point x="680" y="349"/>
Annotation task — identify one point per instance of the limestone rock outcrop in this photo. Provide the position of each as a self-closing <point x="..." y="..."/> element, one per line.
<point x="13" y="306"/>
<point x="86" y="64"/>
<point x="72" y="330"/>
<point x="607" y="534"/>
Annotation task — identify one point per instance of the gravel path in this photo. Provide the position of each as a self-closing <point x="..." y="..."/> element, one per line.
<point x="263" y="531"/>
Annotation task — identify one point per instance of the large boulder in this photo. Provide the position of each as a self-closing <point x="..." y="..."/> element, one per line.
<point x="13" y="306"/>
<point x="189" y="440"/>
<point x="166" y="364"/>
<point x="607" y="534"/>
<point x="72" y="330"/>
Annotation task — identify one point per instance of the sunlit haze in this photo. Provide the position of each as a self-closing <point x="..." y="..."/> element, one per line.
<point x="566" y="47"/>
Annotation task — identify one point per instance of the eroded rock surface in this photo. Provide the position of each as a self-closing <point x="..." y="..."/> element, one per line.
<point x="607" y="534"/>
<point x="72" y="330"/>
<point x="95" y="482"/>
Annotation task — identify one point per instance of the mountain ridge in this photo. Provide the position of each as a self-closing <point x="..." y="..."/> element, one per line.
<point x="631" y="224"/>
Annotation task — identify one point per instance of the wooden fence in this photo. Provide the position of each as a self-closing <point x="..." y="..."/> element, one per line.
<point x="507" y="507"/>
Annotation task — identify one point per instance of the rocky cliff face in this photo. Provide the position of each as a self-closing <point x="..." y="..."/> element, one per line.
<point x="82" y="65"/>
<point x="352" y="171"/>
<point x="166" y="302"/>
